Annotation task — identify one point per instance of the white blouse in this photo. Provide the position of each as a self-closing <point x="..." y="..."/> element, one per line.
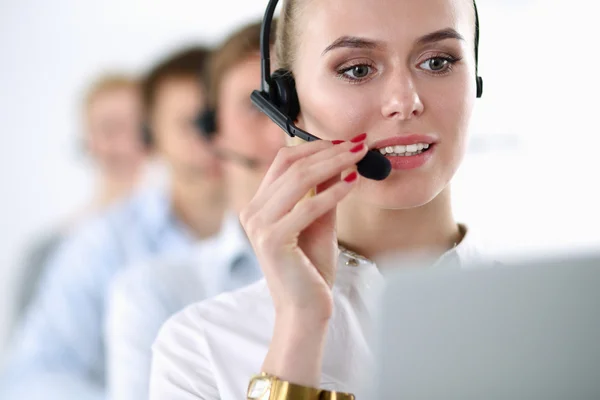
<point x="211" y="349"/>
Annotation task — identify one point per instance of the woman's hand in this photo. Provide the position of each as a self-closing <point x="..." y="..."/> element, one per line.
<point x="295" y="242"/>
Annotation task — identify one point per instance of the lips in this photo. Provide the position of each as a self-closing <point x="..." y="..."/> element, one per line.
<point x="407" y="152"/>
<point x="404" y="140"/>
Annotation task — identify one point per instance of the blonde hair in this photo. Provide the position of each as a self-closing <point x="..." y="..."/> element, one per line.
<point x="286" y="37"/>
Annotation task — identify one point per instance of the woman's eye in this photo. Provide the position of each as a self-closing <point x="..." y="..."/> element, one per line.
<point x="357" y="71"/>
<point x="436" y="64"/>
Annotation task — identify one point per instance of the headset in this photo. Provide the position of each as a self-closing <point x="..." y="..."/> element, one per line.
<point x="147" y="138"/>
<point x="479" y="79"/>
<point x="278" y="99"/>
<point x="207" y="123"/>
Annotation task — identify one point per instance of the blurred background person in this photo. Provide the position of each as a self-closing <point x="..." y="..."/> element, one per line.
<point x="59" y="350"/>
<point x="145" y="296"/>
<point x="112" y="138"/>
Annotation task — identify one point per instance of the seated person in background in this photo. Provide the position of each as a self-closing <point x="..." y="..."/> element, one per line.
<point x="145" y="296"/>
<point x="112" y="119"/>
<point x="396" y="77"/>
<point x="59" y="349"/>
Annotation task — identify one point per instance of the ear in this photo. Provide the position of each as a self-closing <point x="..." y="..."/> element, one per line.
<point x="299" y="121"/>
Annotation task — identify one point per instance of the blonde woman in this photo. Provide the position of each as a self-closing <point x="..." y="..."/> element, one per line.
<point x="397" y="77"/>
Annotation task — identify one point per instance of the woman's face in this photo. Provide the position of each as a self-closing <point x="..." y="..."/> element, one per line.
<point x="403" y="71"/>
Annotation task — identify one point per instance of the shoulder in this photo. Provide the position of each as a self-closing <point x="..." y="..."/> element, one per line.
<point x="200" y="346"/>
<point x="228" y="313"/>
<point x="161" y="281"/>
<point x="252" y="301"/>
<point x="129" y="217"/>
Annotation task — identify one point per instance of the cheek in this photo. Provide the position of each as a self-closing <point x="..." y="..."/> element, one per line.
<point x="233" y="129"/>
<point x="332" y="110"/>
<point x="449" y="110"/>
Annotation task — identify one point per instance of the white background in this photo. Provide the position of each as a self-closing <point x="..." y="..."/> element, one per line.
<point x="539" y="60"/>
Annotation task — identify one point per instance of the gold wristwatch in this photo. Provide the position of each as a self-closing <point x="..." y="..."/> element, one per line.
<point x="268" y="387"/>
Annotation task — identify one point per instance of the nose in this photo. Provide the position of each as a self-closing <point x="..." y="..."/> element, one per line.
<point x="401" y="98"/>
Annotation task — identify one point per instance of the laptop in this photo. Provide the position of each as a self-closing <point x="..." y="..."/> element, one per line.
<point x="528" y="330"/>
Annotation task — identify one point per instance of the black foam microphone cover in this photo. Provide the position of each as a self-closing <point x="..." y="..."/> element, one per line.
<point x="374" y="166"/>
<point x="206" y="122"/>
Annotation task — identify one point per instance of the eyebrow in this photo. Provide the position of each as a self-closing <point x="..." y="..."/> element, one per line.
<point x="352" y="42"/>
<point x="440" y="35"/>
<point x="355" y="42"/>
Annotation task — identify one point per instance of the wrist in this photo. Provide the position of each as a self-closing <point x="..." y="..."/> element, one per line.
<point x="296" y="318"/>
<point x="296" y="351"/>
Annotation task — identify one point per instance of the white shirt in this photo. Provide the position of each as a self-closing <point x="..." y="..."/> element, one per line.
<point x="143" y="297"/>
<point x="211" y="349"/>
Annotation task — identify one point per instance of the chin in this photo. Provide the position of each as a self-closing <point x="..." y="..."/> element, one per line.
<point x="203" y="172"/>
<point x="394" y="194"/>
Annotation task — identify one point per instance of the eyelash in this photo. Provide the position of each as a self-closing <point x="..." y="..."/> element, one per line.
<point x="341" y="73"/>
<point x="451" y="61"/>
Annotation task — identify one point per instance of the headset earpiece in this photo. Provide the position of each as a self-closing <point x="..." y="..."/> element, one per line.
<point x="282" y="92"/>
<point x="147" y="139"/>
<point x="207" y="123"/>
<point x="478" y="79"/>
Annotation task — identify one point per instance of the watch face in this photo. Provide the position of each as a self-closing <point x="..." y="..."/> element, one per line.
<point x="260" y="388"/>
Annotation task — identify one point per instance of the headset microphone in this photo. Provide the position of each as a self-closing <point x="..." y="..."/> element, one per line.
<point x="373" y="165"/>
<point x="278" y="99"/>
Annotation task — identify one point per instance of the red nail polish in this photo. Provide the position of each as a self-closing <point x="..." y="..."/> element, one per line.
<point x="337" y="141"/>
<point x="351" y="177"/>
<point x="357" y="148"/>
<point x="359" y="138"/>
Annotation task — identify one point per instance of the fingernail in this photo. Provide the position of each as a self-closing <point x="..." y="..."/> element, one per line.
<point x="351" y="177"/>
<point x="357" y="148"/>
<point x="337" y="141"/>
<point x="359" y="138"/>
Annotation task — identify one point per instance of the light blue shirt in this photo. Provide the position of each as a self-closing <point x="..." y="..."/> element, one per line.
<point x="58" y="351"/>
<point x="145" y="296"/>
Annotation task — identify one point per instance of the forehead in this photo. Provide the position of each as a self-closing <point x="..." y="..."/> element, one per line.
<point x="249" y="67"/>
<point x="177" y="88"/>
<point x="389" y="21"/>
<point x="113" y="99"/>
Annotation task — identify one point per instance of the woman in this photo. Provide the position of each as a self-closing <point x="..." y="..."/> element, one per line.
<point x="403" y="72"/>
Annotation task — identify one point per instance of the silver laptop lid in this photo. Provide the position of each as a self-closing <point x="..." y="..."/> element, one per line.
<point x="525" y="331"/>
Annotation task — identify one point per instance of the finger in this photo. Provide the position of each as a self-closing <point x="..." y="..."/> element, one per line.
<point x="296" y="173"/>
<point x="321" y="187"/>
<point x="287" y="156"/>
<point x="298" y="182"/>
<point x="301" y="166"/>
<point x="308" y="211"/>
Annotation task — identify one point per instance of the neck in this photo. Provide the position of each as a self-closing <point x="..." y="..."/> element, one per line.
<point x="112" y="189"/>
<point x="199" y="205"/>
<point x="372" y="232"/>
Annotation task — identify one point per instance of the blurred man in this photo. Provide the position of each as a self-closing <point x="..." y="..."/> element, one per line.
<point x="144" y="297"/>
<point x="112" y="120"/>
<point x="60" y="351"/>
